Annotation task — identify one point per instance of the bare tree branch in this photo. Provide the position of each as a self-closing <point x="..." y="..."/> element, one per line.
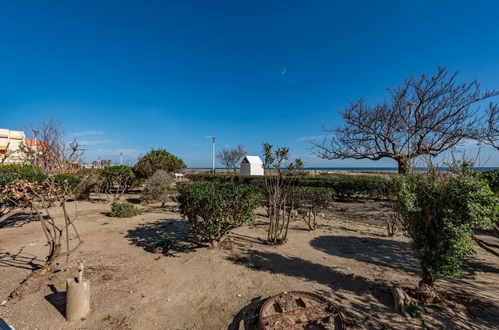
<point x="426" y="116"/>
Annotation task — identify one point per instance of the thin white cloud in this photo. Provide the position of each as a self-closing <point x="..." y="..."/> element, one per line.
<point x="94" y="142"/>
<point x="283" y="72"/>
<point x="116" y="152"/>
<point x="86" y="133"/>
<point x="309" y="138"/>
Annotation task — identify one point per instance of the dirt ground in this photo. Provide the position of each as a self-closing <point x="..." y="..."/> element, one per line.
<point x="348" y="259"/>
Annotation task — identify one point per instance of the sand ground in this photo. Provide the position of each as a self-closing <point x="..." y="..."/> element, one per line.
<point x="348" y="259"/>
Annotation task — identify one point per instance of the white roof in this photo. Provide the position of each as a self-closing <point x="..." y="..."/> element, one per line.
<point x="252" y="160"/>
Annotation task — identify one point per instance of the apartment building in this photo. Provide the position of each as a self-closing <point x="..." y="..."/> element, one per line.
<point x="10" y="146"/>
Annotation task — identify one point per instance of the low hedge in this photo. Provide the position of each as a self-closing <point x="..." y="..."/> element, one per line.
<point x="345" y="187"/>
<point x="492" y="177"/>
<point x="10" y="173"/>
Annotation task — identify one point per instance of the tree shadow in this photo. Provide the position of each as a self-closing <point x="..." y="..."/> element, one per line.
<point x="133" y="200"/>
<point x="296" y="267"/>
<point x="176" y="232"/>
<point x="480" y="313"/>
<point x="367" y="302"/>
<point x="381" y="252"/>
<point x="19" y="220"/>
<point x="57" y="299"/>
<point x="20" y="260"/>
<point x="371" y="300"/>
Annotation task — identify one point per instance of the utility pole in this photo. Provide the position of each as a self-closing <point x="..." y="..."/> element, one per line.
<point x="213" y="138"/>
<point x="35" y="133"/>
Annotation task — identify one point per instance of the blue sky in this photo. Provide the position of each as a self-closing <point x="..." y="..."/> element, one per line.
<point x="128" y="76"/>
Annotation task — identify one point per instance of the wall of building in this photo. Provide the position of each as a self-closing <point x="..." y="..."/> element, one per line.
<point x="10" y="146"/>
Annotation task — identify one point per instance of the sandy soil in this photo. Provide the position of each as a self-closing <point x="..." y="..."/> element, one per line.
<point x="348" y="259"/>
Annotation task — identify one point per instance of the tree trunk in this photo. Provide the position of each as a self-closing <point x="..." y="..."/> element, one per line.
<point x="427" y="278"/>
<point x="404" y="165"/>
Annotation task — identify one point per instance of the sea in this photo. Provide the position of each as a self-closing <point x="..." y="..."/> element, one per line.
<point x="366" y="169"/>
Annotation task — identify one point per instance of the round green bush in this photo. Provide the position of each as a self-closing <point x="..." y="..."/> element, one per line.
<point x="213" y="209"/>
<point x="118" y="179"/>
<point x="156" y="160"/>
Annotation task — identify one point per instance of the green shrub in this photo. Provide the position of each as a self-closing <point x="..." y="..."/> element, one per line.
<point x="117" y="179"/>
<point x="158" y="188"/>
<point x="492" y="178"/>
<point x="90" y="182"/>
<point x="156" y="160"/>
<point x="20" y="169"/>
<point x="123" y="210"/>
<point x="10" y="173"/>
<point x="438" y="213"/>
<point x="213" y="209"/>
<point x="72" y="180"/>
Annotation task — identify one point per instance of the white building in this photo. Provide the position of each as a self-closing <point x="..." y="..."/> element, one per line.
<point x="252" y="165"/>
<point x="10" y="146"/>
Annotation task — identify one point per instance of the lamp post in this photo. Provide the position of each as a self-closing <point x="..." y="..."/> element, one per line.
<point x="35" y="133"/>
<point x="213" y="138"/>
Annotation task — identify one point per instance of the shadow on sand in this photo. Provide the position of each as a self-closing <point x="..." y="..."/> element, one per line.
<point x="57" y="299"/>
<point x="20" y="260"/>
<point x="176" y="231"/>
<point x="378" y="251"/>
<point x="19" y="220"/>
<point x="364" y="300"/>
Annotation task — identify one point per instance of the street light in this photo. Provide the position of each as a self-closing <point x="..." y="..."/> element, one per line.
<point x="35" y="133"/>
<point x="213" y="138"/>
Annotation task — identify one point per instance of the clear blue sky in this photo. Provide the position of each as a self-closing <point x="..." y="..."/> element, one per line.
<point x="130" y="76"/>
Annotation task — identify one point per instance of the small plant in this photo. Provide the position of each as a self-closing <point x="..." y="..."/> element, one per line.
<point x="391" y="224"/>
<point x="214" y="209"/>
<point x="310" y="201"/>
<point x="123" y="210"/>
<point x="415" y="311"/>
<point x="159" y="188"/>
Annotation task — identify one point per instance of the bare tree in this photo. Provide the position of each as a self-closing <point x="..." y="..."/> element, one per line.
<point x="230" y="158"/>
<point x="39" y="197"/>
<point x="53" y="154"/>
<point x="492" y="128"/>
<point x="426" y="116"/>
